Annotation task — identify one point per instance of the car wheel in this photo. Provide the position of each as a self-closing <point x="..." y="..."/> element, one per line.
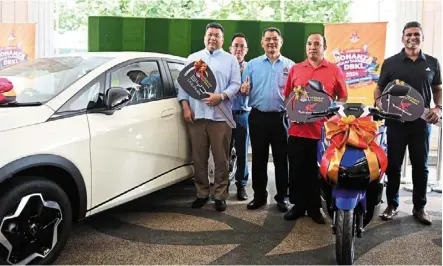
<point x="232" y="164"/>
<point x="35" y="222"/>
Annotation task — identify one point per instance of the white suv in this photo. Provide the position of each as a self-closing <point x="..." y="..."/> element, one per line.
<point x="80" y="134"/>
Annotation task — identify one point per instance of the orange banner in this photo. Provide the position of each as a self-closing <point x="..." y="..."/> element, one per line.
<point x="17" y="43"/>
<point x="359" y="50"/>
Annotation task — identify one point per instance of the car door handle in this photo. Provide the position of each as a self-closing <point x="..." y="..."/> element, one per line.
<point x="167" y="113"/>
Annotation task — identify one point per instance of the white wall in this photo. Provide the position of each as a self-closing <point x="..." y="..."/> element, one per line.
<point x="397" y="13"/>
<point x="32" y="11"/>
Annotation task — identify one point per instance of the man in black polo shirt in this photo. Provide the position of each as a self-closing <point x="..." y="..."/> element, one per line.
<point x="422" y="72"/>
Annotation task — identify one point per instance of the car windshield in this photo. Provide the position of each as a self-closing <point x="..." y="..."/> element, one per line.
<point x="39" y="80"/>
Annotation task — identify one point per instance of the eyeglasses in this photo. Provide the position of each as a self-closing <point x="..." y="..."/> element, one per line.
<point x="237" y="46"/>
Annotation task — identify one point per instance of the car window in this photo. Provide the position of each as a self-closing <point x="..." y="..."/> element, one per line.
<point x="175" y="69"/>
<point x="86" y="98"/>
<point x="142" y="80"/>
<point x="41" y="79"/>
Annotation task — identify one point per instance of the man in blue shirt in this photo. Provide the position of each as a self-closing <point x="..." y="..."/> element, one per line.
<point x="264" y="81"/>
<point x="240" y="111"/>
<point x="207" y="124"/>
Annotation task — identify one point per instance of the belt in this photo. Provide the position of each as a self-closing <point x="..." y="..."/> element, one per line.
<point x="268" y="112"/>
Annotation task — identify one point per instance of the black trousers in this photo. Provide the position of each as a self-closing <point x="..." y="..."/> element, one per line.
<point x="240" y="139"/>
<point x="414" y="135"/>
<point x="304" y="188"/>
<point x="269" y="128"/>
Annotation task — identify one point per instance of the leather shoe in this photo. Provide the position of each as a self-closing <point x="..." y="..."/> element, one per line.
<point x="421" y="215"/>
<point x="389" y="213"/>
<point x="318" y="217"/>
<point x="293" y="214"/>
<point x="283" y="206"/>
<point x="255" y="204"/>
<point x="241" y="193"/>
<point x="220" y="205"/>
<point x="199" y="202"/>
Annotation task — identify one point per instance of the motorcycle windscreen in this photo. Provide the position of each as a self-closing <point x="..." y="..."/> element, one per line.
<point x="410" y="107"/>
<point x="303" y="101"/>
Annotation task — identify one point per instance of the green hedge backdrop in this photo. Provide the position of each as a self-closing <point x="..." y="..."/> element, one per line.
<point x="184" y="36"/>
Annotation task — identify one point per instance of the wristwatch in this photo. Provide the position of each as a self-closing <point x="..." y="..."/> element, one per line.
<point x="222" y="96"/>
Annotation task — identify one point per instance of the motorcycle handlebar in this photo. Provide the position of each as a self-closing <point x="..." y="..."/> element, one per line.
<point x="329" y="111"/>
<point x="389" y="115"/>
<point x="379" y="114"/>
<point x="385" y="115"/>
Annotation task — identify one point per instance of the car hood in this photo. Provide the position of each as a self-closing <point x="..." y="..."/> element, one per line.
<point x="15" y="117"/>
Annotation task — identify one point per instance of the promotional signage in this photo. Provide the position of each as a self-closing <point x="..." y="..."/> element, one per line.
<point x="197" y="79"/>
<point x="17" y="43"/>
<point x="410" y="107"/>
<point x="359" y="50"/>
<point x="305" y="100"/>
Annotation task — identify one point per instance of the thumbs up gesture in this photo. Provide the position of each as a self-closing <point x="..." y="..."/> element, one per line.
<point x="245" y="87"/>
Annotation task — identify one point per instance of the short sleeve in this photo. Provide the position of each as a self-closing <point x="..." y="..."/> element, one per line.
<point x="437" y="77"/>
<point x="340" y="88"/>
<point x="289" y="87"/>
<point x="384" y="76"/>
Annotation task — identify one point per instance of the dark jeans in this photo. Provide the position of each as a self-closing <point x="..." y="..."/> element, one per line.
<point x="416" y="136"/>
<point x="240" y="140"/>
<point x="269" y="128"/>
<point x="304" y="184"/>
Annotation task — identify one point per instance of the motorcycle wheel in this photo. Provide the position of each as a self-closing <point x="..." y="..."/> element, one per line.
<point x="345" y="237"/>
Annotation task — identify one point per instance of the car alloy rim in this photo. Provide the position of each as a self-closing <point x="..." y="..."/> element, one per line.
<point x="31" y="231"/>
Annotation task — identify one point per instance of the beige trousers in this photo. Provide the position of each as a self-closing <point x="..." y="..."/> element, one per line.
<point x="209" y="135"/>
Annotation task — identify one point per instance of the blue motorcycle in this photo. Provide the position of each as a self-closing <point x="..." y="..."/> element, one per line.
<point x="351" y="181"/>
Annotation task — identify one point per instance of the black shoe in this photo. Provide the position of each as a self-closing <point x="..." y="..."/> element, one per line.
<point x="199" y="202"/>
<point x="241" y="193"/>
<point x="421" y="215"/>
<point x="317" y="217"/>
<point x="293" y="214"/>
<point x="220" y="205"/>
<point x="255" y="204"/>
<point x="283" y="206"/>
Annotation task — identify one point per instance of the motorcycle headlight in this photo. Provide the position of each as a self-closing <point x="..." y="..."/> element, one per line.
<point x="354" y="177"/>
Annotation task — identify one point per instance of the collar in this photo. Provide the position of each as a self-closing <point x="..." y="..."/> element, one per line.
<point x="323" y="63"/>
<point x="403" y="54"/>
<point x="265" y="57"/>
<point x="215" y="52"/>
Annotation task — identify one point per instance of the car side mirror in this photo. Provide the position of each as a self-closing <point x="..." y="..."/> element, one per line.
<point x="116" y="98"/>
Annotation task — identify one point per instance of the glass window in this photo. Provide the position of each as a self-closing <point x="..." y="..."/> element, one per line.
<point x="141" y="79"/>
<point x="87" y="98"/>
<point x="175" y="69"/>
<point x="42" y="79"/>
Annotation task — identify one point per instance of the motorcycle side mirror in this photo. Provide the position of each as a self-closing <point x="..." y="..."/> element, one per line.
<point x="318" y="86"/>
<point x="397" y="90"/>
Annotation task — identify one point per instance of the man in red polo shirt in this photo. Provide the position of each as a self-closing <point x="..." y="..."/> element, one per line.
<point x="304" y="190"/>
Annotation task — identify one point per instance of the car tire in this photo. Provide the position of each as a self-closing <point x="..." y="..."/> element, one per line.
<point x="37" y="211"/>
